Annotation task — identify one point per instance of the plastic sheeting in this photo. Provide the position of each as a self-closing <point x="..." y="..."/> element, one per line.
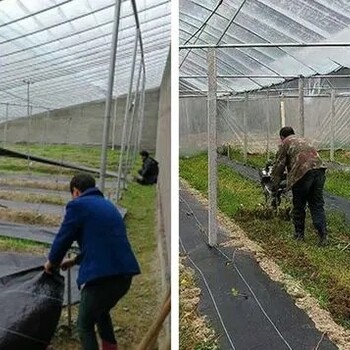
<point x="31" y="304"/>
<point x="63" y="48"/>
<point x="259" y="119"/>
<point x="13" y="265"/>
<point x="264" y="21"/>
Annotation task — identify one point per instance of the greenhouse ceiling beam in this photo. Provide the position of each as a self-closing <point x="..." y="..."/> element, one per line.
<point x="255" y="19"/>
<point x="263" y="38"/>
<point x="289" y="15"/>
<point x="266" y="76"/>
<point x="55" y="25"/>
<point x="87" y="50"/>
<point x="158" y="52"/>
<point x="54" y="66"/>
<point x="63" y="95"/>
<point x="235" y="58"/>
<point x="79" y="32"/>
<point x="211" y="33"/>
<point x="224" y="63"/>
<point x="252" y="45"/>
<point x="339" y="12"/>
<point x="231" y="21"/>
<point x="33" y="13"/>
<point x="211" y="14"/>
<point x="77" y="83"/>
<point x="157" y="58"/>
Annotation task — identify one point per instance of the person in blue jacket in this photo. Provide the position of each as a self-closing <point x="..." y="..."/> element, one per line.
<point x="107" y="262"/>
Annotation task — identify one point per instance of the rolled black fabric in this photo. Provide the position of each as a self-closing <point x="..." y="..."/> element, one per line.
<point x="31" y="304"/>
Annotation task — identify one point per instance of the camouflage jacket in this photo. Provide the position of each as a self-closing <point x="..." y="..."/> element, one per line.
<point x="298" y="156"/>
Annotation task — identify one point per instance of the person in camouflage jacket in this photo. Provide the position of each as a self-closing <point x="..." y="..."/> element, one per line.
<point x="306" y="178"/>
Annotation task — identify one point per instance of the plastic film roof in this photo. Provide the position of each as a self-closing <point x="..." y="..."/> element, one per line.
<point x="263" y="21"/>
<point x="63" y="48"/>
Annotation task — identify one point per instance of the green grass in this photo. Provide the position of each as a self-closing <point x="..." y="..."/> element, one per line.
<point x="82" y="155"/>
<point x="253" y="159"/>
<point x="23" y="246"/>
<point x="337" y="181"/>
<point x="340" y="156"/>
<point x="324" y="272"/>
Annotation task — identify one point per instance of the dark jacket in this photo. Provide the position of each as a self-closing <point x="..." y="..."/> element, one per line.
<point x="150" y="170"/>
<point x="96" y="224"/>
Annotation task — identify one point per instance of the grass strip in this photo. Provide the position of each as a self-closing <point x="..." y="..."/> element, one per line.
<point x="337" y="181"/>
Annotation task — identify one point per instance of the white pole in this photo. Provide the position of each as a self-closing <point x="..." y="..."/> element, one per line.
<point x="332" y="124"/>
<point x="212" y="155"/>
<point x="109" y="95"/>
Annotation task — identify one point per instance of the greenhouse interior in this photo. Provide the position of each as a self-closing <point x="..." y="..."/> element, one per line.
<point x="85" y="86"/>
<point x="248" y="68"/>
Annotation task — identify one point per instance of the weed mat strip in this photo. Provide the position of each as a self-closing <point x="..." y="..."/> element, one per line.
<point x="24" y="267"/>
<point x="254" y="310"/>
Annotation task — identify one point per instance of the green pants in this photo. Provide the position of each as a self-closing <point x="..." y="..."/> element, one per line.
<point x="97" y="299"/>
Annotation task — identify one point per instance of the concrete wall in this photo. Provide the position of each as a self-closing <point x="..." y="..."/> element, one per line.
<point x="163" y="155"/>
<point x="82" y="124"/>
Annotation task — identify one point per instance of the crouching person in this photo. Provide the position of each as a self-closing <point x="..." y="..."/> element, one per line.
<point x="106" y="261"/>
<point x="148" y="175"/>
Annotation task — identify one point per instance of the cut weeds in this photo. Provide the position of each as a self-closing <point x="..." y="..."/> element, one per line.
<point x="29" y="217"/>
<point x="195" y="332"/>
<point x="324" y="272"/>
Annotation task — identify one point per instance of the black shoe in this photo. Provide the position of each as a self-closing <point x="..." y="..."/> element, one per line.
<point x="299" y="236"/>
<point x="322" y="241"/>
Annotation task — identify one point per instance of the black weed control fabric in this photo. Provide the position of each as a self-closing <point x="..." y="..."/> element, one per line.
<point x="15" y="264"/>
<point x="31" y="304"/>
<point x="249" y="311"/>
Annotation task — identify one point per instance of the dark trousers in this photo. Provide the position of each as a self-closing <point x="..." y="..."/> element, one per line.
<point x="309" y="189"/>
<point x="97" y="299"/>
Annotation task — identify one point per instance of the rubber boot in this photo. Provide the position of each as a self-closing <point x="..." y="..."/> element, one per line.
<point x="299" y="236"/>
<point x="323" y="240"/>
<point x="109" y="346"/>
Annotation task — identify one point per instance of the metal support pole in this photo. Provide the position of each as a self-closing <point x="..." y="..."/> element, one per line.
<point x="212" y="155"/>
<point x="138" y="127"/>
<point x="5" y="126"/>
<point x="127" y="107"/>
<point x="332" y="124"/>
<point x="69" y="298"/>
<point x="46" y="138"/>
<point x="132" y="124"/>
<point x="114" y="123"/>
<point x="283" y="111"/>
<point x="142" y="114"/>
<point x="268" y="131"/>
<point x="109" y="95"/>
<point x="301" y="107"/>
<point x="245" y="127"/>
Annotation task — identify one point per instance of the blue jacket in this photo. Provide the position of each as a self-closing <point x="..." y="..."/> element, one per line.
<point x="98" y="227"/>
